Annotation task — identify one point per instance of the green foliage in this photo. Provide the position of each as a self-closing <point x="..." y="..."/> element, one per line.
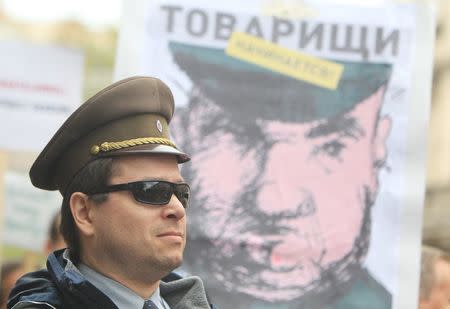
<point x="10" y="253"/>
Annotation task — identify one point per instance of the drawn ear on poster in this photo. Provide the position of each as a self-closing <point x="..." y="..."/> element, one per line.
<point x="382" y="133"/>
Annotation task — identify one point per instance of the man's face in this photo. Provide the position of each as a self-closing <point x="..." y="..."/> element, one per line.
<point x="282" y="202"/>
<point x="440" y="293"/>
<point x="8" y="282"/>
<point x="137" y="236"/>
<point x="57" y="244"/>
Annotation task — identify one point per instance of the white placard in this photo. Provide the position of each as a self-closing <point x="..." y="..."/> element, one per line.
<point x="28" y="212"/>
<point x="39" y="87"/>
<point x="245" y="169"/>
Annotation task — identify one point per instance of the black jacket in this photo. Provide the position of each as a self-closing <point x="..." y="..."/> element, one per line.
<point x="63" y="286"/>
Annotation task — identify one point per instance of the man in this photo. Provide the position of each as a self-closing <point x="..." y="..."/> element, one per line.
<point x="55" y="241"/>
<point x="434" y="279"/>
<point x="124" y="206"/>
<point x="284" y="196"/>
<point x="10" y="272"/>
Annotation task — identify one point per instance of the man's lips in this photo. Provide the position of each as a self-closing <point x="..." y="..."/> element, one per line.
<point x="171" y="233"/>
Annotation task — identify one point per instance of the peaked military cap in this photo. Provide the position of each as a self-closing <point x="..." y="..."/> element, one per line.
<point x="131" y="116"/>
<point x="248" y="91"/>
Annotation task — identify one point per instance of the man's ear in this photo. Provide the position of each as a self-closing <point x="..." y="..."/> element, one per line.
<point x="381" y="134"/>
<point x="81" y="208"/>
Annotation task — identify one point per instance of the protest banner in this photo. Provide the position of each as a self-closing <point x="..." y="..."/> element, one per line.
<point x="28" y="212"/>
<point x="306" y="123"/>
<point x="2" y="195"/>
<point x="40" y="85"/>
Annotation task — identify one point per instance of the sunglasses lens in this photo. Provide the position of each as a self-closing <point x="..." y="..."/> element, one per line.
<point x="157" y="193"/>
<point x="182" y="193"/>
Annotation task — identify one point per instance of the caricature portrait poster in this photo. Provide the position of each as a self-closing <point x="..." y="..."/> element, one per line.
<point x="306" y="128"/>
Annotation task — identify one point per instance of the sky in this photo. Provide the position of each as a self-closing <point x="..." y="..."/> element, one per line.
<point x="97" y="13"/>
<point x="94" y="13"/>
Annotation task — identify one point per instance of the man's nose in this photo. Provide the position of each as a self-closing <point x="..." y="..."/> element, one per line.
<point x="174" y="209"/>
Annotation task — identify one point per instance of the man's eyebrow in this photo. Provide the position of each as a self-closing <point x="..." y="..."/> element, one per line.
<point x="344" y="126"/>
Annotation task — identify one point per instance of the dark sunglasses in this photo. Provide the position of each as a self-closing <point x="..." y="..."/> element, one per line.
<point x="152" y="192"/>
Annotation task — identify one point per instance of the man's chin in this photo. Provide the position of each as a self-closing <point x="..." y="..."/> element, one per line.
<point x="176" y="261"/>
<point x="168" y="263"/>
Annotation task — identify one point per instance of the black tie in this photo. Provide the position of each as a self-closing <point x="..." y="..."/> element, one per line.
<point x="148" y="304"/>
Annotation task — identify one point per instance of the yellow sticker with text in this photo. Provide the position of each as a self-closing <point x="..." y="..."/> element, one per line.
<point x="271" y="56"/>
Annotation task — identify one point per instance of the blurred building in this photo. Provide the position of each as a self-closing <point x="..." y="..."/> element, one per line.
<point x="97" y="45"/>
<point x="436" y="226"/>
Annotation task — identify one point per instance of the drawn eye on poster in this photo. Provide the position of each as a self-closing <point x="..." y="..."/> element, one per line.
<point x="299" y="120"/>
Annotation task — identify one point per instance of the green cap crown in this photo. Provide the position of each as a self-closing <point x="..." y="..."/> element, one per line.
<point x="249" y="91"/>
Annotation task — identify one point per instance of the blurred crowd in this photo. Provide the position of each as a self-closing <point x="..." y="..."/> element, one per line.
<point x="12" y="270"/>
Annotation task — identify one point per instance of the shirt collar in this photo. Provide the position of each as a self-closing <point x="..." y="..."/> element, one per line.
<point x="122" y="296"/>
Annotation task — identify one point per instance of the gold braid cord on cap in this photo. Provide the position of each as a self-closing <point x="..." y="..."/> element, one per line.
<point x="108" y="146"/>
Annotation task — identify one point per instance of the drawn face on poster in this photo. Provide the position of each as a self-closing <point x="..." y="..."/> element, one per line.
<point x="283" y="173"/>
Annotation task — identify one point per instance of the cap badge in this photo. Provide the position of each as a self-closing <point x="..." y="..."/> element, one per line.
<point x="159" y="126"/>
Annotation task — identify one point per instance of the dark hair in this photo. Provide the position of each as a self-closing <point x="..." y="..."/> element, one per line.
<point x="54" y="228"/>
<point x="94" y="176"/>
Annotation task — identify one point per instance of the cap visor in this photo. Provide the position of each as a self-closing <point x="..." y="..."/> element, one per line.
<point x="149" y="149"/>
